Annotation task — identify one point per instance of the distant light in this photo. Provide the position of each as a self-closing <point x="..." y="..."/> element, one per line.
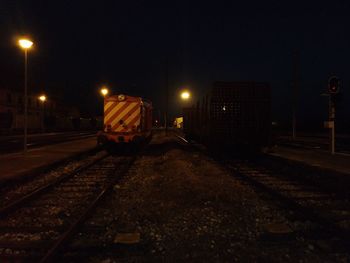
<point x="42" y="98"/>
<point x="104" y="91"/>
<point x="224" y="108"/>
<point x="185" y="95"/>
<point x="25" y="43"/>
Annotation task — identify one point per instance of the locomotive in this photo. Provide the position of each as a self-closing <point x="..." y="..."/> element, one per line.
<point x="127" y="120"/>
<point x="233" y="116"/>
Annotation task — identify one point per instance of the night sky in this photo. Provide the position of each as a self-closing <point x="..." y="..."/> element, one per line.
<point x="80" y="45"/>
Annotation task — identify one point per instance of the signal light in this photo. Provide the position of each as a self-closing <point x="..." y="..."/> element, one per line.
<point x="333" y="85"/>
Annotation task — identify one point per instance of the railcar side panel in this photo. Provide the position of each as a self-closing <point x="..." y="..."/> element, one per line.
<point x="233" y="115"/>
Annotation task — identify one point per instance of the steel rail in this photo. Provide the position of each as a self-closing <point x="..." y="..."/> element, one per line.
<point x="287" y="203"/>
<point x="66" y="236"/>
<point x="42" y="189"/>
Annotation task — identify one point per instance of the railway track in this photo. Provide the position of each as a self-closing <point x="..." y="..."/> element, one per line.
<point x="316" y="213"/>
<point x="13" y="189"/>
<point x="39" y="224"/>
<point x="319" y="209"/>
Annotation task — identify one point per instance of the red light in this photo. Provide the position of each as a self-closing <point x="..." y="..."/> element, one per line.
<point x="333" y="85"/>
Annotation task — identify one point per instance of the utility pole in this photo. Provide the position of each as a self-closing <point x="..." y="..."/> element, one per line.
<point x="25" y="100"/>
<point x="333" y="90"/>
<point x="295" y="91"/>
<point x="25" y="44"/>
<point x="332" y="124"/>
<point x="166" y="95"/>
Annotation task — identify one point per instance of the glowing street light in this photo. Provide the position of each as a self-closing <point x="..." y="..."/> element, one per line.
<point x="104" y="91"/>
<point x="185" y="95"/>
<point x="25" y="44"/>
<point x="42" y="98"/>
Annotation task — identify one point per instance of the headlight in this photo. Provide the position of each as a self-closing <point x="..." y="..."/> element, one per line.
<point x="121" y="97"/>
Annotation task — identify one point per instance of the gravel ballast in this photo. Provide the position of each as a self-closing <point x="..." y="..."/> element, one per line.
<point x="183" y="206"/>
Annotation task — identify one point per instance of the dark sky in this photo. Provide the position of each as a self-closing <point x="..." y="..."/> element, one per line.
<point x="80" y="45"/>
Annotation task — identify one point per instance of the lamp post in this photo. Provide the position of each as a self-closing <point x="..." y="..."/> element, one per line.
<point x="104" y="92"/>
<point x="42" y="98"/>
<point x="25" y="44"/>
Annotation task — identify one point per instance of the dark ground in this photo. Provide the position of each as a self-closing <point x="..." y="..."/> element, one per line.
<point x="179" y="205"/>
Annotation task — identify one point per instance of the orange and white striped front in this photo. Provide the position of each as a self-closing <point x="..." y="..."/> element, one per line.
<point x="122" y="116"/>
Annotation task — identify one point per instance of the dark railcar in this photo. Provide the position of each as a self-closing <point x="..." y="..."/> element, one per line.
<point x="233" y="115"/>
<point x="188" y="124"/>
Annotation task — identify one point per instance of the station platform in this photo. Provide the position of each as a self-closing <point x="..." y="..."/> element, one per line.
<point x="16" y="165"/>
<point x="318" y="158"/>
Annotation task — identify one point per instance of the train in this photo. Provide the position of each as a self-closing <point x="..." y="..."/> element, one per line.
<point x="127" y="120"/>
<point x="233" y="116"/>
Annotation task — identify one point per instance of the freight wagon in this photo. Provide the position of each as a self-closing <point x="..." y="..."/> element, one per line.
<point x="232" y="116"/>
<point x="127" y="120"/>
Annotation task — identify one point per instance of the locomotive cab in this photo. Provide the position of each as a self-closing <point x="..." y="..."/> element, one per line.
<point x="127" y="119"/>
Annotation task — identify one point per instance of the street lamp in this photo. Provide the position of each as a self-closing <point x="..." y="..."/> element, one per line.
<point x="42" y="98"/>
<point x="185" y="95"/>
<point x="104" y="91"/>
<point x="25" y="44"/>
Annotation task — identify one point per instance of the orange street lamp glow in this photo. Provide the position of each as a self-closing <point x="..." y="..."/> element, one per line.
<point x="25" y="43"/>
<point x="42" y="98"/>
<point x="104" y="91"/>
<point x="185" y="95"/>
